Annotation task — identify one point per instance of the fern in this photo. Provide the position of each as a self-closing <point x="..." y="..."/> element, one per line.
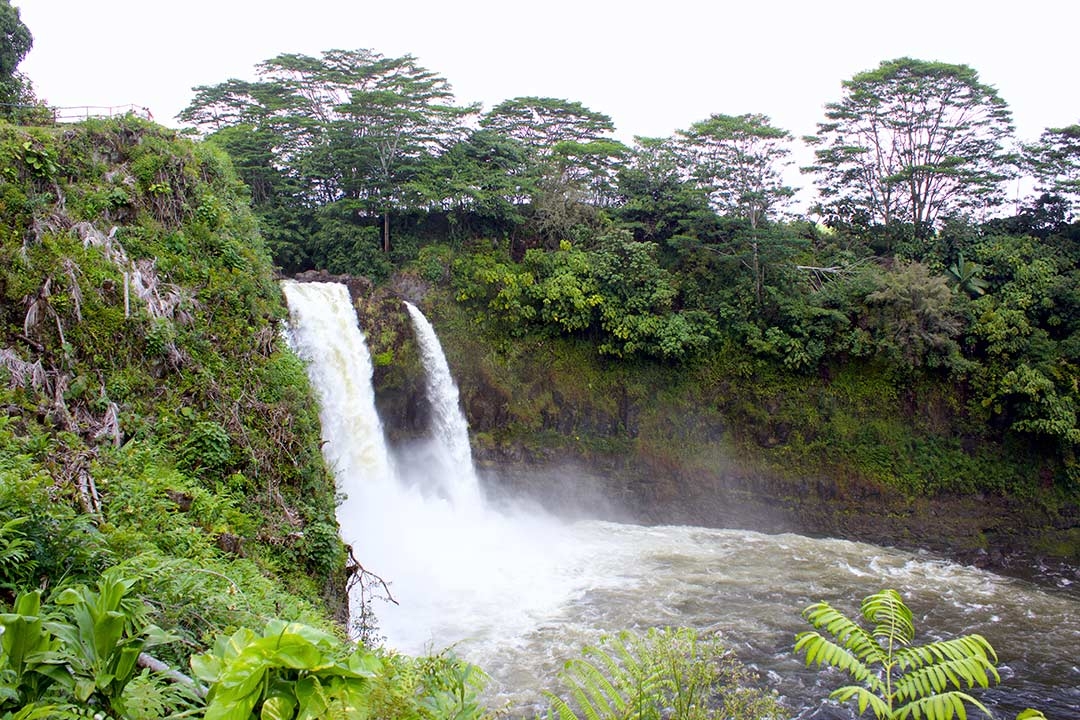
<point x="667" y="674"/>
<point x="15" y="549"/>
<point x="898" y="680"/>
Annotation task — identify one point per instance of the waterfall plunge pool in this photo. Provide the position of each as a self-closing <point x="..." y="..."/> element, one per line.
<point x="518" y="592"/>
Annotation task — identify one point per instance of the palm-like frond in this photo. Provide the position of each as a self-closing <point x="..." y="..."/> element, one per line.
<point x="966" y="646"/>
<point x="958" y="674"/>
<point x="848" y="633"/>
<point x="864" y="698"/>
<point x="593" y="691"/>
<point x="823" y="651"/>
<point x="14" y="549"/>
<point x="899" y="680"/>
<point x="944" y="706"/>
<point x="662" y="674"/>
<point x="893" y="623"/>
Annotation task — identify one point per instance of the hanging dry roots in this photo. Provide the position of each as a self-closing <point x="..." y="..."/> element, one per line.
<point x="358" y="575"/>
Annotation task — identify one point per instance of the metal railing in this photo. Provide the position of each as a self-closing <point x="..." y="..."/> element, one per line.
<point x="38" y="114"/>
<point x="85" y="112"/>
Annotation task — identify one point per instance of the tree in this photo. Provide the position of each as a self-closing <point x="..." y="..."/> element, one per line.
<point x="911" y="141"/>
<point x="480" y="183"/>
<point x="15" y="43"/>
<point x="897" y="679"/>
<point x="573" y="160"/>
<point x="346" y="125"/>
<point x="1055" y="161"/>
<point x="914" y="316"/>
<point x="658" y="202"/>
<point x="738" y="162"/>
<point x="541" y="123"/>
<point x="406" y="114"/>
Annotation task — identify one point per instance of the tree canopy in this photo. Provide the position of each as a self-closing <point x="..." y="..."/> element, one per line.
<point x="1055" y="161"/>
<point x="15" y="43"/>
<point x="912" y="141"/>
<point x="674" y="247"/>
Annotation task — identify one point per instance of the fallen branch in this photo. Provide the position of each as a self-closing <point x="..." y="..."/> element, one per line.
<point x="154" y="665"/>
<point x="32" y="343"/>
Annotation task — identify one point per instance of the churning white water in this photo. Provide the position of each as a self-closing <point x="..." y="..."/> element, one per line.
<point x="425" y="529"/>
<point x="518" y="592"/>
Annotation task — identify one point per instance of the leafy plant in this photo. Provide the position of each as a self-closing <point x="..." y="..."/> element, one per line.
<point x="289" y="671"/>
<point x="897" y="679"/>
<point x="27" y="654"/>
<point x="964" y="275"/>
<point x="669" y="673"/>
<point x="102" y="638"/>
<point x="41" y="160"/>
<point x="15" y="551"/>
<point x="207" y="445"/>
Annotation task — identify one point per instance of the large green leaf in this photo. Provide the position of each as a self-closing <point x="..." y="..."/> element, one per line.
<point x="280" y="702"/>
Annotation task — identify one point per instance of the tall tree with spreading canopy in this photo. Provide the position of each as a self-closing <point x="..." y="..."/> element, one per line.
<point x="348" y="129"/>
<point x="739" y="162"/>
<point x="910" y="142"/>
<point x="406" y="115"/>
<point x="541" y="123"/>
<point x="573" y="159"/>
<point x="479" y="183"/>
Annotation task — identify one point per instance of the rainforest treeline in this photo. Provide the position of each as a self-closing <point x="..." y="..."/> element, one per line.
<point x="670" y="249"/>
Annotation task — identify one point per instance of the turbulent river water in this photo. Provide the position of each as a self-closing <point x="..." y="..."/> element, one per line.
<point x="518" y="591"/>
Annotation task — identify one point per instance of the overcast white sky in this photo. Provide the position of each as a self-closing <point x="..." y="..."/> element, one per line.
<point x="653" y="67"/>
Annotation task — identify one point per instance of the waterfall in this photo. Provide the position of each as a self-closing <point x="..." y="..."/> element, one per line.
<point x="518" y="592"/>
<point x="452" y="453"/>
<point x="444" y="553"/>
<point x="324" y="333"/>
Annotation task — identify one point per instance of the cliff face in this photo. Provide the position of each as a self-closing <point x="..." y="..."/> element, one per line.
<point x="713" y="445"/>
<point x="151" y="407"/>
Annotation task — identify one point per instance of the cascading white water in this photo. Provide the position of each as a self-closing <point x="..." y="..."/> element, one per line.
<point x="340" y="371"/>
<point x="437" y="549"/>
<point x="518" y="592"/>
<point x="449" y="428"/>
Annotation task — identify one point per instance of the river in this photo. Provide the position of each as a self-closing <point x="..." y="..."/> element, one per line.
<point x="518" y="591"/>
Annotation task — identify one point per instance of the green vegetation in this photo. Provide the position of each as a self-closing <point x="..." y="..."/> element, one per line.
<point x="899" y="680"/>
<point x="161" y="487"/>
<point x="675" y="253"/>
<point x="152" y="414"/>
<point x="15" y="43"/>
<point x="84" y="653"/>
<point x="662" y="673"/>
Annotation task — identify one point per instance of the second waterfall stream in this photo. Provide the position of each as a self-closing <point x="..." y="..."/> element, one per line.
<point x="518" y="592"/>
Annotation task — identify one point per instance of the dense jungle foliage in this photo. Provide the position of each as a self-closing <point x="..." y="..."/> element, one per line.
<point x="163" y="500"/>
<point x="681" y="252"/>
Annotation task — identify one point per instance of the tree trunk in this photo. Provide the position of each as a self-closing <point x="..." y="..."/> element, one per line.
<point x="386" y="231"/>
